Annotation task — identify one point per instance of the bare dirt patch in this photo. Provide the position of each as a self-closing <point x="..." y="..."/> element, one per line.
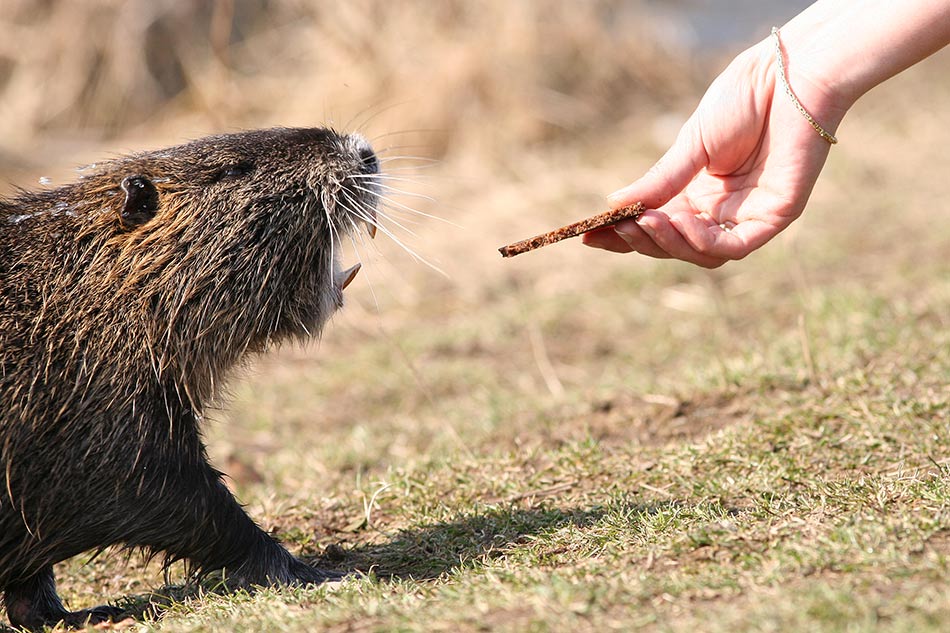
<point x="643" y="419"/>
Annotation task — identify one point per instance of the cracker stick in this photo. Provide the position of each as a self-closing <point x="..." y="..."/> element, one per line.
<point x="607" y="218"/>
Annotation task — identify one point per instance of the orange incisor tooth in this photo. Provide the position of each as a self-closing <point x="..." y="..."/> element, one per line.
<point x="344" y="277"/>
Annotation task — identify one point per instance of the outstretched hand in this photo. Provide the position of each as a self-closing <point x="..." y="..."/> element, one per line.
<point x="740" y="171"/>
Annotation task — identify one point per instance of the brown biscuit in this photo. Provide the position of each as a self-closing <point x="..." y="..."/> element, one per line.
<point x="607" y="218"/>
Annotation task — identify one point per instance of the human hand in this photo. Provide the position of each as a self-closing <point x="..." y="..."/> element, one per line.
<point x="740" y="171"/>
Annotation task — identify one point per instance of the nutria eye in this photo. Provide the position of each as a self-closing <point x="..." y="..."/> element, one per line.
<point x="236" y="170"/>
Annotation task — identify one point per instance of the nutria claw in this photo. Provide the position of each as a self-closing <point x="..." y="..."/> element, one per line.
<point x="95" y="615"/>
<point x="309" y="575"/>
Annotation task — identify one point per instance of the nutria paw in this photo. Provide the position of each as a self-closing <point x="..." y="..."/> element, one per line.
<point x="33" y="621"/>
<point x="33" y="604"/>
<point x="309" y="575"/>
<point x="273" y="565"/>
<point x="95" y="615"/>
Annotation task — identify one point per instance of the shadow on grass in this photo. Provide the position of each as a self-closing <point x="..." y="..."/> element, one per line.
<point x="428" y="552"/>
<point x="421" y="553"/>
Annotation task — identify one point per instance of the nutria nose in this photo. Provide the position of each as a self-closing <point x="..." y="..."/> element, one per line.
<point x="368" y="158"/>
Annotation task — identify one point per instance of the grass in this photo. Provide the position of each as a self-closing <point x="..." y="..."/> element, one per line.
<point x="809" y="507"/>
<point x="577" y="441"/>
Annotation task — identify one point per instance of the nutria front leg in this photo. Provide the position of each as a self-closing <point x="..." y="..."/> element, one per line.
<point x="225" y="537"/>
<point x="33" y="604"/>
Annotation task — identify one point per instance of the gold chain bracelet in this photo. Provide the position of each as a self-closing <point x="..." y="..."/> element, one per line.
<point x="788" y="89"/>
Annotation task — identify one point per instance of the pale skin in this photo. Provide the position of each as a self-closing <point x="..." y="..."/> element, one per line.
<point x="744" y="164"/>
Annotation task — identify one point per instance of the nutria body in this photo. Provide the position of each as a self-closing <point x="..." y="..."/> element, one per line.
<point x="125" y="298"/>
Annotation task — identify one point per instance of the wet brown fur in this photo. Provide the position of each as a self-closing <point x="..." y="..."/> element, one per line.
<point x="117" y="329"/>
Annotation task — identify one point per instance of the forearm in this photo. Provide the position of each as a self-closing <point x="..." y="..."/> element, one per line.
<point x="846" y="47"/>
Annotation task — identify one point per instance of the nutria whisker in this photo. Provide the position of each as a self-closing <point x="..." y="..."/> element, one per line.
<point x="376" y="139"/>
<point x="357" y="210"/>
<point x="400" y="192"/>
<point x="389" y="177"/>
<point x="395" y="191"/>
<point x="408" y="158"/>
<point x="355" y="234"/>
<point x="389" y="202"/>
<point x="387" y="152"/>
<point x="380" y="213"/>
<point x="402" y="170"/>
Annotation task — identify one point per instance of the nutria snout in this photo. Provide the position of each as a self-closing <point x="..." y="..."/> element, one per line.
<point x="125" y="299"/>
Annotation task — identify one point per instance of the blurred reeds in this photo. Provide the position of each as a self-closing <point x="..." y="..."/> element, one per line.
<point x="490" y="76"/>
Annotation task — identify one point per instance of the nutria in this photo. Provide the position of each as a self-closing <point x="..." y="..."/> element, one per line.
<point x="125" y="298"/>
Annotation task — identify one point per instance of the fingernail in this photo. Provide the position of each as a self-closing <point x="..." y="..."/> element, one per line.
<point x="626" y="237"/>
<point x="645" y="226"/>
<point x="592" y="242"/>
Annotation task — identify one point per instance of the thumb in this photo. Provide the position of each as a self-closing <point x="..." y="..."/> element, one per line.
<point x="670" y="175"/>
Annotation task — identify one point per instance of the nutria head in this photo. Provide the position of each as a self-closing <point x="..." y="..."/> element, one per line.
<point x="185" y="258"/>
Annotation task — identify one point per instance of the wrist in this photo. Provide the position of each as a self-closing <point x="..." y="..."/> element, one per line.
<point x="838" y="50"/>
<point x="825" y="104"/>
<point x="812" y="75"/>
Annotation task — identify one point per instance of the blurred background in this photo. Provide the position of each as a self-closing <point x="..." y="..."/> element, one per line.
<point x="531" y="73"/>
<point x="465" y="83"/>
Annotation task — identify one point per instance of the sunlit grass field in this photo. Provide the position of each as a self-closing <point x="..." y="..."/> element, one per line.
<point x="574" y="440"/>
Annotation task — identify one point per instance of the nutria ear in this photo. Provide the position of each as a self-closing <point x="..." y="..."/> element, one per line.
<point x="141" y="201"/>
